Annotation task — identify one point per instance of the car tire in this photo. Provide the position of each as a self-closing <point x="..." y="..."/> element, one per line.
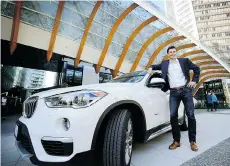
<point x="117" y="147"/>
<point x="184" y="126"/>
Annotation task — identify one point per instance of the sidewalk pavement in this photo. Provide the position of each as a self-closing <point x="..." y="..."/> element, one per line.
<point x="212" y="128"/>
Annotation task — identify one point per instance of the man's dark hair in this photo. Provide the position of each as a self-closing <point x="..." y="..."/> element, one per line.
<point x="169" y="48"/>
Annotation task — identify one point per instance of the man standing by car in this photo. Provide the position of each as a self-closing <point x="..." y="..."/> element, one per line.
<point x="175" y="72"/>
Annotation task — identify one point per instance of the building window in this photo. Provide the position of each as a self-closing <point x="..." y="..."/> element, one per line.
<point x="224" y="3"/>
<point x="216" y="4"/>
<point x="208" y="5"/>
<point x="227" y="33"/>
<point x="201" y="7"/>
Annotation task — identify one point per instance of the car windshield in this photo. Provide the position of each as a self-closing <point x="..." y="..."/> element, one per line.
<point x="133" y="77"/>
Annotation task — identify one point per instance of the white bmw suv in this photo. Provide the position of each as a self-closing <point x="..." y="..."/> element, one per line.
<point x="94" y="124"/>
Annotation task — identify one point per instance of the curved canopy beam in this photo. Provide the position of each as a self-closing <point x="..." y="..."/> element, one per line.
<point x="129" y="41"/>
<point x="208" y="77"/>
<point x="201" y="58"/>
<point x="170" y="23"/>
<point x="214" y="72"/>
<point x="146" y="44"/>
<point x="211" y="67"/>
<point x="161" y="47"/>
<point x="192" y="53"/>
<point x="185" y="46"/>
<point x="84" y="37"/>
<point x="15" y="26"/>
<point x="211" y="62"/>
<point x="111" y="34"/>
<point x="55" y="29"/>
<point x="180" y="48"/>
<point x="209" y="71"/>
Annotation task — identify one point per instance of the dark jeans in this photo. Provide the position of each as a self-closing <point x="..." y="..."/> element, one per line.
<point x="210" y="106"/>
<point x="184" y="94"/>
<point x="4" y="110"/>
<point x="215" y="104"/>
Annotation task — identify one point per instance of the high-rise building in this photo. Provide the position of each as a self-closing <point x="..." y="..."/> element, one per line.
<point x="226" y="87"/>
<point x="32" y="78"/>
<point x="181" y="11"/>
<point x="170" y="12"/>
<point x="11" y="76"/>
<point x="213" y="23"/>
<point x="18" y="76"/>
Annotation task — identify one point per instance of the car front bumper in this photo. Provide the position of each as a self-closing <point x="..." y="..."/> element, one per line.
<point x="44" y="130"/>
<point x="24" y="144"/>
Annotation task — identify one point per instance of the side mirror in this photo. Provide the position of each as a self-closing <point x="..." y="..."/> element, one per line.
<point x="156" y="83"/>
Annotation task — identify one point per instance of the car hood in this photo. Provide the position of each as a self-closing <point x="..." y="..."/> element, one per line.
<point x="106" y="87"/>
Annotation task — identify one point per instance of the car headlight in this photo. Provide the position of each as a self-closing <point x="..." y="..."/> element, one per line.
<point x="77" y="99"/>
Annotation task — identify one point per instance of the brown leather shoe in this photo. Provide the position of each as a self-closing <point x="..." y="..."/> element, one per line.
<point x="174" y="145"/>
<point x="194" y="146"/>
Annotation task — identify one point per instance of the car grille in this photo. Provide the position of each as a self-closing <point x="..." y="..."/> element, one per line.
<point x="57" y="148"/>
<point x="30" y="106"/>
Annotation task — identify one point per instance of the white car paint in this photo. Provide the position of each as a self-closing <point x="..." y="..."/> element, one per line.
<point x="47" y="122"/>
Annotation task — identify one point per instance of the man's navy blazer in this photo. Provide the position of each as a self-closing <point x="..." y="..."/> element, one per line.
<point x="186" y="66"/>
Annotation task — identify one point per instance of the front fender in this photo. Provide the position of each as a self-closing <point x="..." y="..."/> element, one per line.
<point x="106" y="112"/>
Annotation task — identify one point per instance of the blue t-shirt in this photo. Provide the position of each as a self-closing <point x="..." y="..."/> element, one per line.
<point x="214" y="98"/>
<point x="209" y="98"/>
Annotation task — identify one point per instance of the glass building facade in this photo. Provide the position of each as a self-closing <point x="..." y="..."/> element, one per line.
<point x="213" y="23"/>
<point x="74" y="18"/>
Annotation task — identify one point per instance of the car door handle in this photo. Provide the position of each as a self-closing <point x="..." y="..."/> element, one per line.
<point x="156" y="114"/>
